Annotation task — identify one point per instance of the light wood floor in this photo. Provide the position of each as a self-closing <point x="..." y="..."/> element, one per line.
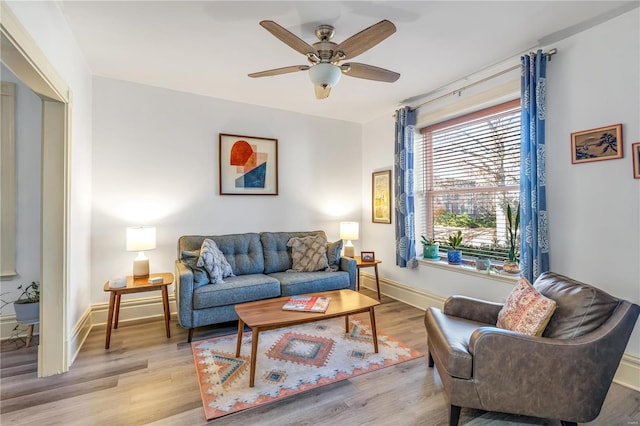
<point x="146" y="378"/>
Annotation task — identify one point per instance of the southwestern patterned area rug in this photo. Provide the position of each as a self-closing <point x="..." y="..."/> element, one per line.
<point x="290" y="361"/>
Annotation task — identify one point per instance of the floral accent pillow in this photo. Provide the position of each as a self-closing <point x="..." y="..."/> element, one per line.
<point x="526" y="311"/>
<point x="308" y="253"/>
<point x="214" y="262"/>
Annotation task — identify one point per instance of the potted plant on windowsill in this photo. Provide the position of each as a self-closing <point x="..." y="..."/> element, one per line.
<point x="454" y="256"/>
<point x="430" y="248"/>
<point x="512" y="266"/>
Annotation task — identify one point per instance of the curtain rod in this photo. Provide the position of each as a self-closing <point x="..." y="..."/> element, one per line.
<point x="549" y="54"/>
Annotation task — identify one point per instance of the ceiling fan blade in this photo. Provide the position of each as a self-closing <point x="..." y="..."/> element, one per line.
<point x="322" y="91"/>
<point x="287" y="37"/>
<point x="365" y="39"/>
<point x="278" y="71"/>
<point x="369" y="72"/>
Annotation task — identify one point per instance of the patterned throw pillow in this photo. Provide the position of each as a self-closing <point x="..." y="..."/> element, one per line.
<point x="333" y="255"/>
<point x="308" y="253"/>
<point x="214" y="262"/>
<point x="200" y="276"/>
<point x="526" y="311"/>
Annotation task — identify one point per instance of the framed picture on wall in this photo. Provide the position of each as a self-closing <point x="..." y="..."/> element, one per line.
<point x="381" y="197"/>
<point x="603" y="143"/>
<point x="635" y="151"/>
<point x="248" y="165"/>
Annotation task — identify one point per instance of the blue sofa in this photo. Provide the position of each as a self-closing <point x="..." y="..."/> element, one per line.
<point x="260" y="262"/>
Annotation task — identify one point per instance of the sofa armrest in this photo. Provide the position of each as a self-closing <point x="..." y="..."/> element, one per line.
<point x="184" y="294"/>
<point x="348" y="264"/>
<point x="472" y="309"/>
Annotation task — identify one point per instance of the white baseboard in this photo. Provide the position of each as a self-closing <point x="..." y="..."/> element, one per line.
<point x="132" y="309"/>
<point x="628" y="373"/>
<point x="7" y="324"/>
<point x="79" y="335"/>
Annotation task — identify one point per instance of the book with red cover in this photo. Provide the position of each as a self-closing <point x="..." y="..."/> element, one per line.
<point x="307" y="304"/>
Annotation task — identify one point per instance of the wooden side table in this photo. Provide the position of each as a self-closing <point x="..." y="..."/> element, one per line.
<point x="360" y="264"/>
<point x="137" y="285"/>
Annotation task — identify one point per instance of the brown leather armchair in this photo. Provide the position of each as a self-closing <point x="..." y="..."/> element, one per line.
<point x="565" y="374"/>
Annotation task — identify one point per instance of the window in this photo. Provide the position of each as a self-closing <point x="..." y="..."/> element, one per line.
<point x="470" y="173"/>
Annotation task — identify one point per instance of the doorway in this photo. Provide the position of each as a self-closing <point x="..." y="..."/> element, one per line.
<point x="23" y="57"/>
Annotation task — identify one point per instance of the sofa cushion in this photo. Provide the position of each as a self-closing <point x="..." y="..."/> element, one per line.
<point x="277" y="257"/>
<point x="526" y="311"/>
<point x="308" y="254"/>
<point x="214" y="262"/>
<point x="292" y="283"/>
<point x="333" y="254"/>
<point x="190" y="259"/>
<point x="580" y="309"/>
<point x="234" y="290"/>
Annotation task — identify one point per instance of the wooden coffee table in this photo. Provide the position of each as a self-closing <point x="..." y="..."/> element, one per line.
<point x="268" y="314"/>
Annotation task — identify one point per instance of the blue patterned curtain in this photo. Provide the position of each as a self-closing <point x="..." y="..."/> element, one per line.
<point x="534" y="244"/>
<point x="405" y="208"/>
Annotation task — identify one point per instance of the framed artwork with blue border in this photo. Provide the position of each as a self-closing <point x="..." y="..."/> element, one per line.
<point x="248" y="165"/>
<point x="603" y="143"/>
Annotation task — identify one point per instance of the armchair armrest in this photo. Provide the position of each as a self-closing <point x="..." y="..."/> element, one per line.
<point x="184" y="293"/>
<point x="348" y="264"/>
<point x="472" y="309"/>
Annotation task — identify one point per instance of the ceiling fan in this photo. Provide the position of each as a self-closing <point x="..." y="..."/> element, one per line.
<point x="327" y="58"/>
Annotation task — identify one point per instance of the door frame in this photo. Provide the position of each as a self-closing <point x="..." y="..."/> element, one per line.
<point x="23" y="57"/>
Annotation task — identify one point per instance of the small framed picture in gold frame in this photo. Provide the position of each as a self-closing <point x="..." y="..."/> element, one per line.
<point x="603" y="143"/>
<point x="635" y="151"/>
<point x="381" y="197"/>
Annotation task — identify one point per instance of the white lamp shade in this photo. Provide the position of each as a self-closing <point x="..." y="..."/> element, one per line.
<point x="349" y="230"/>
<point x="324" y="74"/>
<point x="141" y="238"/>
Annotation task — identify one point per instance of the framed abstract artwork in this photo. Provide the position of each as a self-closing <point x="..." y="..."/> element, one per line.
<point x="603" y="143"/>
<point x="635" y="151"/>
<point x="248" y="165"/>
<point x="381" y="197"/>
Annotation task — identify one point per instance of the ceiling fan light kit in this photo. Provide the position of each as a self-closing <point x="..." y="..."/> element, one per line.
<point x="325" y="55"/>
<point x="325" y="74"/>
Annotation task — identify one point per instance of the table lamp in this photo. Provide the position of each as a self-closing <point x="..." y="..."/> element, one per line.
<point x="349" y="231"/>
<point x="141" y="238"/>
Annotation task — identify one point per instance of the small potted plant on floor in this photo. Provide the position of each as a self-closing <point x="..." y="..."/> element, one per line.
<point x="27" y="305"/>
<point x="512" y="266"/>
<point x="454" y="256"/>
<point x="430" y="248"/>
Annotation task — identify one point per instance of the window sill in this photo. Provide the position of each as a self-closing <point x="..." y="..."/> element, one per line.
<point x="470" y="270"/>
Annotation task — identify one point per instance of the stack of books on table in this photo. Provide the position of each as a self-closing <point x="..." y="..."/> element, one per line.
<point x="307" y="304"/>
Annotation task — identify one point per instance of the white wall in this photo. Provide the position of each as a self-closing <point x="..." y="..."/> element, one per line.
<point x="595" y="82"/>
<point x="28" y="139"/>
<point x="155" y="162"/>
<point x="47" y="26"/>
<point x="594" y="209"/>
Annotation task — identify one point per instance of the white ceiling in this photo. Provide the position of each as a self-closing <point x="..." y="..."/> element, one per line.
<point x="209" y="47"/>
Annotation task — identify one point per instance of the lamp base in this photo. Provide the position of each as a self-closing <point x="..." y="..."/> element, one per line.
<point x="140" y="268"/>
<point x="349" y="251"/>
